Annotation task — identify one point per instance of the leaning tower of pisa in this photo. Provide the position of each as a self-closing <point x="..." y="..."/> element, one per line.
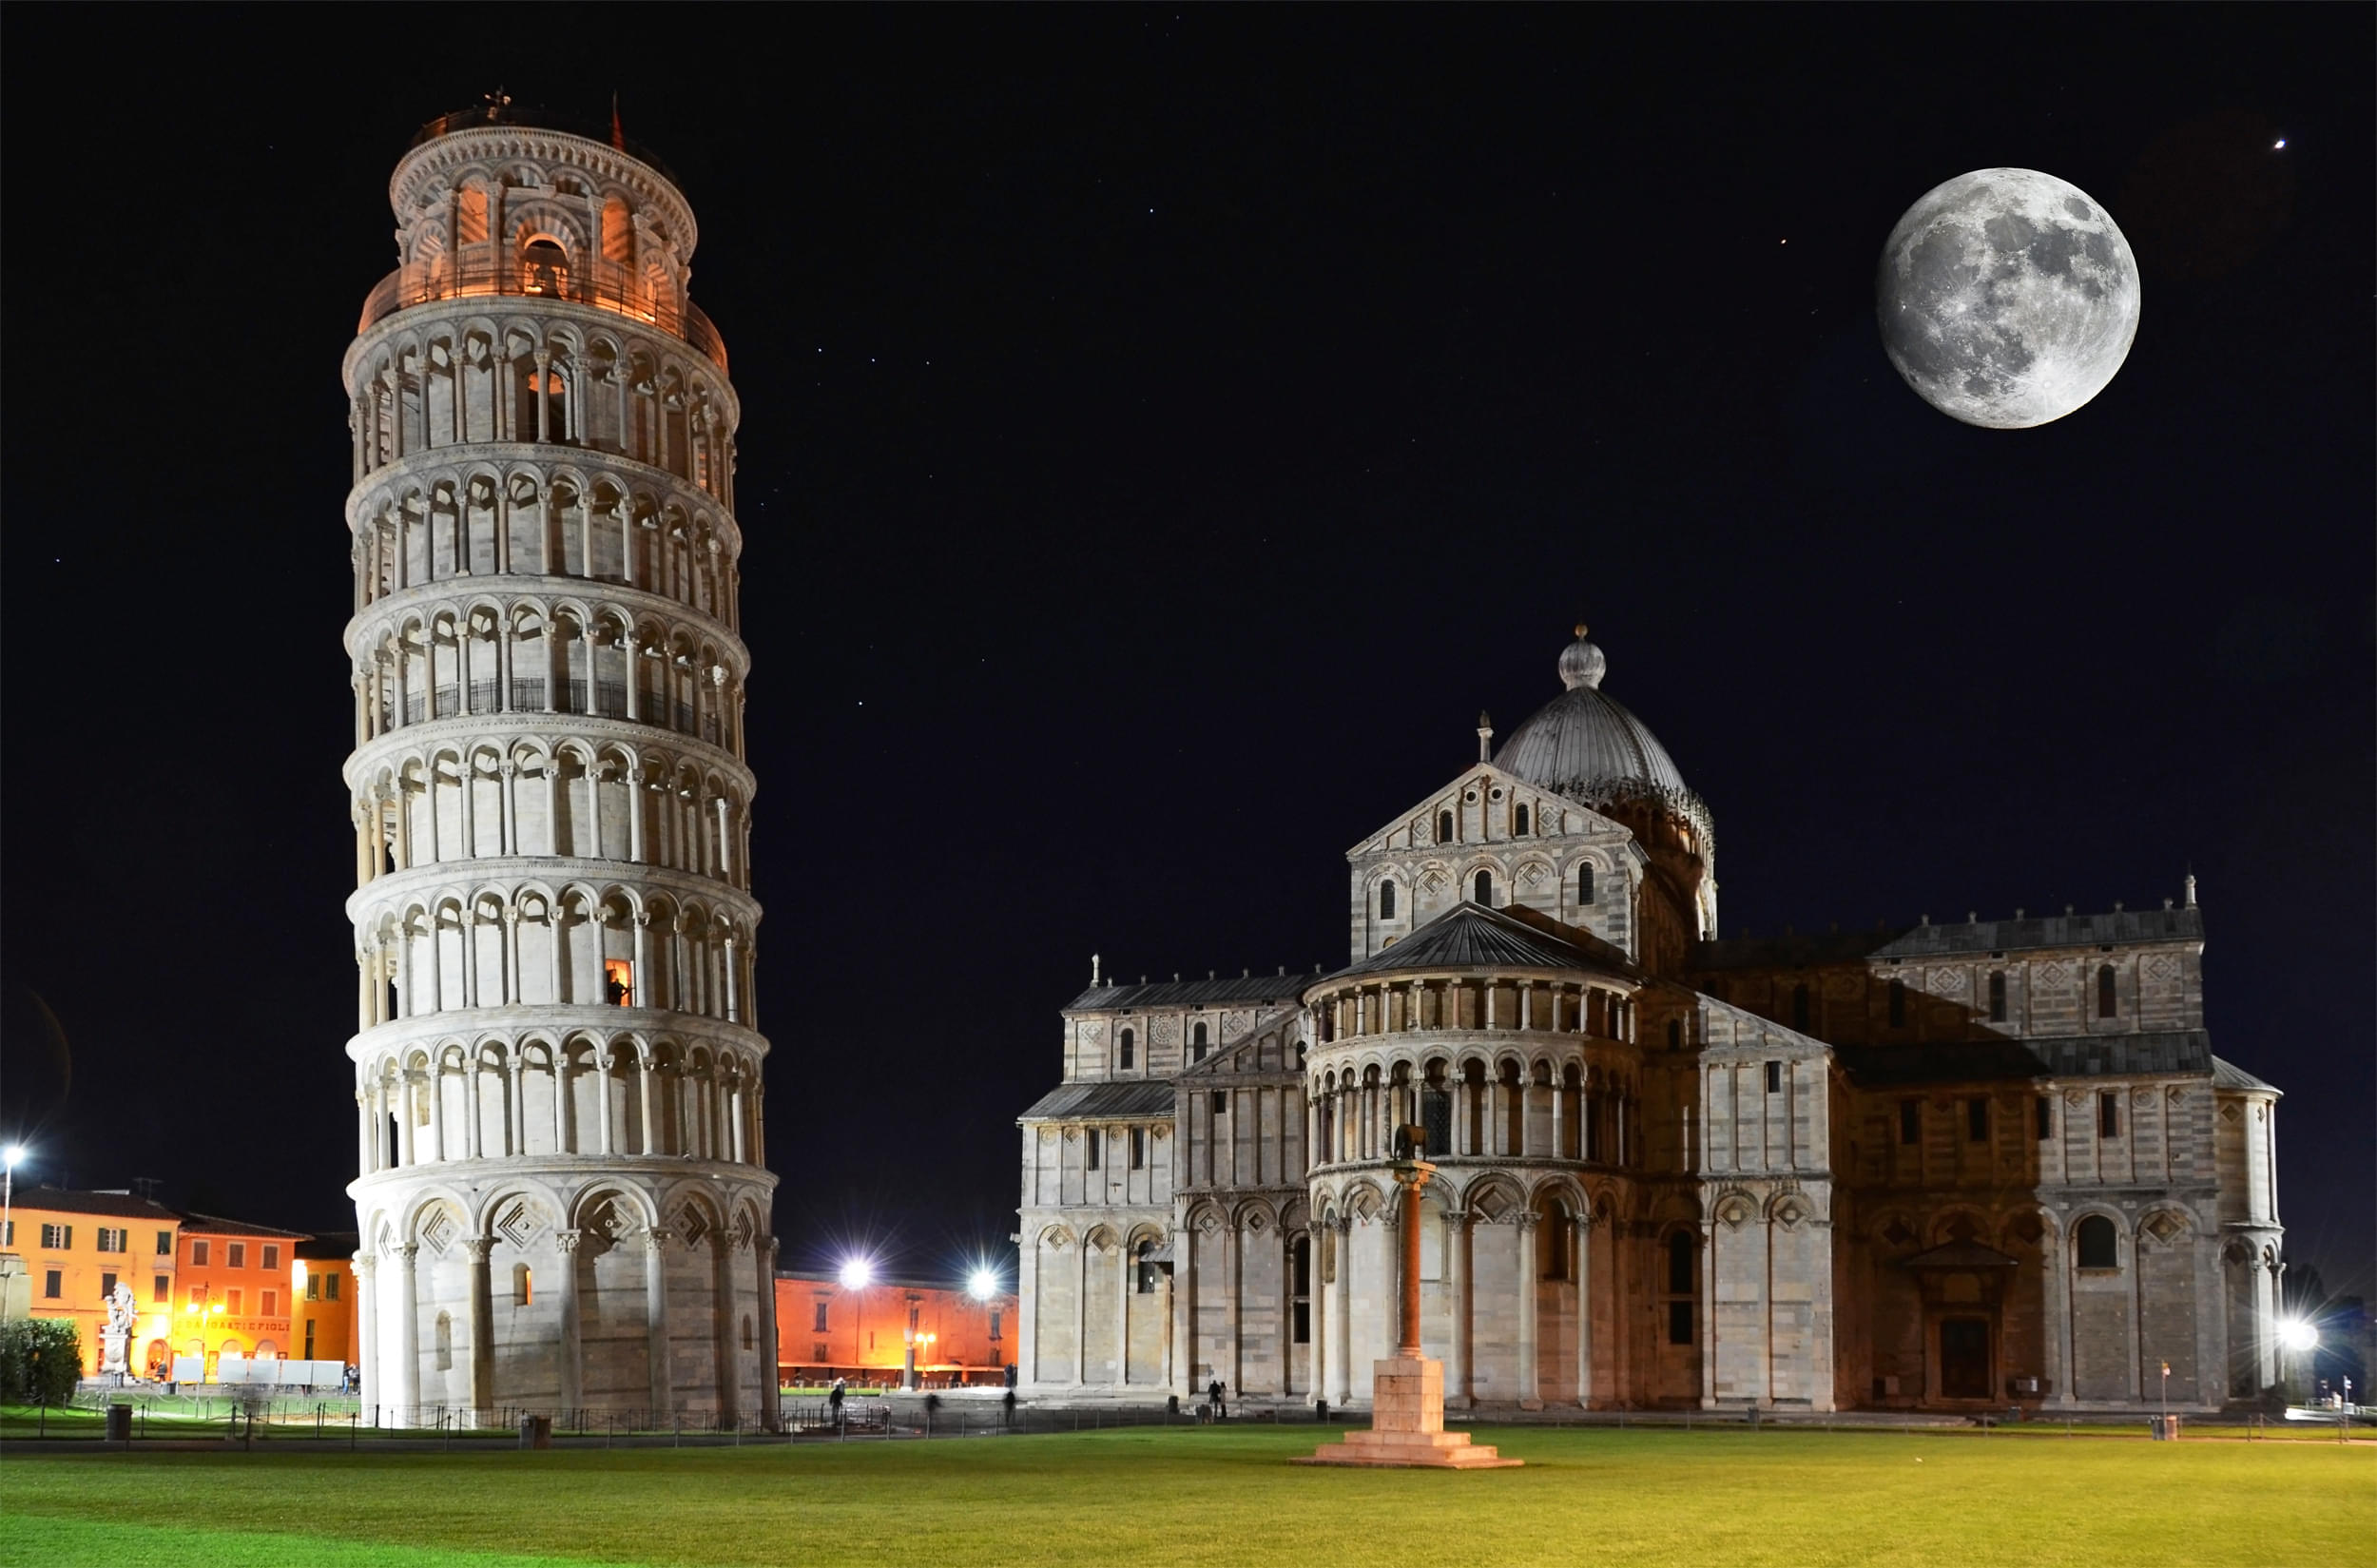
<point x="561" y="1187"/>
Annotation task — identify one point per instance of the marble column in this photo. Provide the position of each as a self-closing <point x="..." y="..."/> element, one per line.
<point x="1530" y="1373"/>
<point x="565" y="1307"/>
<point x="482" y="1331"/>
<point x="656" y="1316"/>
<point x="1459" y="1277"/>
<point x="408" y="1389"/>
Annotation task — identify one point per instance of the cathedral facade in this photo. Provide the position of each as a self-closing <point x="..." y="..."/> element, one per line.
<point x="1947" y="1167"/>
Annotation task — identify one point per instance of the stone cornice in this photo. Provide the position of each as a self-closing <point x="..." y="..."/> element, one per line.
<point x="383" y="894"/>
<point x="546" y="456"/>
<point x="468" y="1024"/>
<point x="511" y="727"/>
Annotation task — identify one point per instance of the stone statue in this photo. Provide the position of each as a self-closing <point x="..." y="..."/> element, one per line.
<point x="115" y="1340"/>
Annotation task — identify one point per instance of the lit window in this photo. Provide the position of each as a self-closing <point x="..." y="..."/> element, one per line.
<point x="107" y="1285"/>
<point x="57" y="1237"/>
<point x="114" y="1239"/>
<point x="618" y="982"/>
<point x="523" y="1285"/>
<point x="313" y="1287"/>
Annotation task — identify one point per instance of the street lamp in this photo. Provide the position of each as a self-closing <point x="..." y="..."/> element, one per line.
<point x="982" y="1285"/>
<point x="9" y="1157"/>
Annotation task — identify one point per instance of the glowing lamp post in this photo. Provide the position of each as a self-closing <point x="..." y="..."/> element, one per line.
<point x="9" y="1157"/>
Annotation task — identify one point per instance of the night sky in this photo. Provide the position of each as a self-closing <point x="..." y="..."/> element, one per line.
<point x="1161" y="434"/>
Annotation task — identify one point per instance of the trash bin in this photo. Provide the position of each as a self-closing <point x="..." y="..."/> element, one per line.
<point x="2165" y="1429"/>
<point x="536" y="1431"/>
<point x="119" y="1424"/>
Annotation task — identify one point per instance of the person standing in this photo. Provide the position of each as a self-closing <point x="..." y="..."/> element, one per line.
<point x="1213" y="1397"/>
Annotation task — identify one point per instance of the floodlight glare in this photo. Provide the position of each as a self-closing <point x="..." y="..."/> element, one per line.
<point x="2297" y="1335"/>
<point x="982" y="1286"/>
<point x="15" y="1153"/>
<point x="857" y="1273"/>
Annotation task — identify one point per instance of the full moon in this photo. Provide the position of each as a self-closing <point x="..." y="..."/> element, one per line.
<point x="2007" y="297"/>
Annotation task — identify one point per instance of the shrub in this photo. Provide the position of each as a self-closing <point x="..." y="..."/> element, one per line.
<point x="40" y="1359"/>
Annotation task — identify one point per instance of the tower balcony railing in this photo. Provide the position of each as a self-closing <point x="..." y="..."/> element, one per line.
<point x="490" y="270"/>
<point x="607" y="700"/>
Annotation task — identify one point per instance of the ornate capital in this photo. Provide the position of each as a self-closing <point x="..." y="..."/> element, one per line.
<point x="1459" y="1219"/>
<point x="1525" y="1219"/>
<point x="658" y="1237"/>
<point x="407" y="1253"/>
<point x="366" y="1264"/>
<point x="566" y="1241"/>
<point x="478" y="1246"/>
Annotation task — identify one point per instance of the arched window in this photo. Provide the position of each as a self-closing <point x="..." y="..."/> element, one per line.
<point x="1300" y="1272"/>
<point x="1682" y="1249"/>
<point x="2108" y="1001"/>
<point x="1386" y="901"/>
<point x="1197" y="1041"/>
<point x="544" y="269"/>
<point x="1145" y="1275"/>
<point x="445" y="1341"/>
<point x="2097" y="1244"/>
<point x="1997" y="996"/>
<point x="1518" y="820"/>
<point x="1553" y="1237"/>
<point x="1444" y="827"/>
<point x="1799" y="1008"/>
<point x="1897" y="1005"/>
<point x="1128" y="1049"/>
<point x="523" y="1285"/>
<point x="1482" y="890"/>
<point x="1584" y="883"/>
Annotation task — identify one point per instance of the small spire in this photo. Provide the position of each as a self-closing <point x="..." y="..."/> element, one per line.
<point x="1095" y="981"/>
<point x="1485" y="736"/>
<point x="2190" y="890"/>
<point x="618" y="132"/>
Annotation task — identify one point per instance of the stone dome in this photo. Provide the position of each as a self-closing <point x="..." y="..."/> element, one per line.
<point x="1586" y="744"/>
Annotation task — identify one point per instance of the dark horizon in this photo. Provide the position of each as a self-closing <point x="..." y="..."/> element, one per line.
<point x="1162" y="436"/>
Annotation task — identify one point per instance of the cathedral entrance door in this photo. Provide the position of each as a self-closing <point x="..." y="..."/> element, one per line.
<point x="1964" y="1358"/>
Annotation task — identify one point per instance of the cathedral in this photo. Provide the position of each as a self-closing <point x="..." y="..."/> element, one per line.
<point x="1952" y="1167"/>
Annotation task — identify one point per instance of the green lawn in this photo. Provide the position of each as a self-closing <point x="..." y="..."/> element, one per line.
<point x="1220" y="1498"/>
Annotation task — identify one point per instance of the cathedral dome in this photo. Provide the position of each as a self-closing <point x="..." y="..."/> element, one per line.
<point x="1586" y="744"/>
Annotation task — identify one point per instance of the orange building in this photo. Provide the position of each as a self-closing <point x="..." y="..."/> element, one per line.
<point x="827" y="1327"/>
<point x="322" y="1282"/>
<point x="233" y="1290"/>
<point x="75" y="1247"/>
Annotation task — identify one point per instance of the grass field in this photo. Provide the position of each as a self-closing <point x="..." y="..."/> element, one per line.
<point x="1219" y="1498"/>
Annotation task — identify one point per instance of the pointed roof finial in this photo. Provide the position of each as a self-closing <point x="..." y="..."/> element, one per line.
<point x="618" y="132"/>
<point x="1485" y="736"/>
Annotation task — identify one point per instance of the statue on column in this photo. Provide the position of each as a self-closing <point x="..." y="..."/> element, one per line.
<point x="116" y="1338"/>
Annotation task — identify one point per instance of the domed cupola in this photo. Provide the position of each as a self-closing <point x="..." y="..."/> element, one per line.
<point x="1585" y="745"/>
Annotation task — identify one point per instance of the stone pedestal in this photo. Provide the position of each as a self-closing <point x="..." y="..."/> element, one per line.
<point x="1407" y="1426"/>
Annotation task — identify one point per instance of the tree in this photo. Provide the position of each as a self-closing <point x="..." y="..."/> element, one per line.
<point x="40" y="1359"/>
